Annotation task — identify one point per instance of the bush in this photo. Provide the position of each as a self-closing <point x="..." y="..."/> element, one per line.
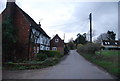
<point x="44" y="54"/>
<point x="66" y="50"/>
<point x="41" y="57"/>
<point x="88" y="48"/>
<point x="79" y="45"/>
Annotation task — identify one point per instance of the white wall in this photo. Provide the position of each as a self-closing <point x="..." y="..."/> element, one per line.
<point x="42" y="40"/>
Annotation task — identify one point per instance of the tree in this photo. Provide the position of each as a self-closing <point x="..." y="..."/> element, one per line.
<point x="101" y="37"/>
<point x="110" y="35"/>
<point x="81" y="39"/>
<point x="71" y="44"/>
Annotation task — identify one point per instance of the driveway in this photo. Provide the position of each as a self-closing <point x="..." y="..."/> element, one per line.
<point x="74" y="66"/>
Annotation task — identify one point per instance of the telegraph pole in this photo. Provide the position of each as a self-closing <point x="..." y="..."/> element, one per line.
<point x="64" y="37"/>
<point x="90" y="17"/>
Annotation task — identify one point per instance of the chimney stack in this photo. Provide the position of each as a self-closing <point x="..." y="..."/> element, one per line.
<point x="39" y="24"/>
<point x="10" y="6"/>
<point x="10" y="3"/>
<point x="10" y="0"/>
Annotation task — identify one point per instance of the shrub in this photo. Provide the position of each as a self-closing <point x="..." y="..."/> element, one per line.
<point x="66" y="50"/>
<point x="88" y="48"/>
<point x="44" y="54"/>
<point x="41" y="57"/>
<point x="79" y="45"/>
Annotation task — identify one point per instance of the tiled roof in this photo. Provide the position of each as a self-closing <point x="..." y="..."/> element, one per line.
<point x="33" y="23"/>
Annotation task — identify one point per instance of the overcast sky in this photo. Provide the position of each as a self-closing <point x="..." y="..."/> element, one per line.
<point x="71" y="18"/>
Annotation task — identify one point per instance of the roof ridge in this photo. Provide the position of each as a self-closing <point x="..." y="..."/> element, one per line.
<point x="33" y="23"/>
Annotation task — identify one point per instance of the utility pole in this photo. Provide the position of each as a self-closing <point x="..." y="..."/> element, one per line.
<point x="64" y="37"/>
<point x="90" y="17"/>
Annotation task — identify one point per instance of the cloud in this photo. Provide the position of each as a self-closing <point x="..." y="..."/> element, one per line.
<point x="59" y="17"/>
<point x="105" y="16"/>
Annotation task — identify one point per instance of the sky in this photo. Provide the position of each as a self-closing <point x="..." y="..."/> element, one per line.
<point x="71" y="17"/>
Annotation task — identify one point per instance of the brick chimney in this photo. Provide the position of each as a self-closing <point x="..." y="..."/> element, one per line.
<point x="10" y="6"/>
<point x="10" y="0"/>
<point x="10" y="3"/>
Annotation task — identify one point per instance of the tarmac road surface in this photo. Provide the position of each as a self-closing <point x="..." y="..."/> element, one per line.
<point x="74" y="66"/>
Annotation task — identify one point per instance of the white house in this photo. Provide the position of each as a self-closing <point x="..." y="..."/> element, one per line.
<point x="40" y="39"/>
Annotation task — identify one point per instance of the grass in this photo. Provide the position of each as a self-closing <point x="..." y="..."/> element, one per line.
<point x="31" y="64"/>
<point x="108" y="59"/>
<point x="42" y="60"/>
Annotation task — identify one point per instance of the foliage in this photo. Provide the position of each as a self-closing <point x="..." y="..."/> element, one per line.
<point x="79" y="45"/>
<point x="31" y="64"/>
<point x="109" y="35"/>
<point x="81" y="39"/>
<point x="66" y="49"/>
<point x="41" y="57"/>
<point x="88" y="48"/>
<point x="71" y="45"/>
<point x="9" y="39"/>
<point x="51" y="53"/>
<point x="106" y="59"/>
<point x="44" y="54"/>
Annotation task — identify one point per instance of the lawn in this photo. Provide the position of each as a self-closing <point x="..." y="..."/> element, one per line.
<point x="108" y="59"/>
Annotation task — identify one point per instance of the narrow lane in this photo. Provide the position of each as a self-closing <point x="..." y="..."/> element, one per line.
<point x="73" y="67"/>
<point x="76" y="67"/>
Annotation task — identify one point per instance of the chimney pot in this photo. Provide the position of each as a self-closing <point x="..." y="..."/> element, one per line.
<point x="39" y="24"/>
<point x="10" y="0"/>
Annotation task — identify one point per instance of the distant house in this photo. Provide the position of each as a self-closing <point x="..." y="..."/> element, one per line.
<point x="30" y="34"/>
<point x="57" y="44"/>
<point x="111" y="44"/>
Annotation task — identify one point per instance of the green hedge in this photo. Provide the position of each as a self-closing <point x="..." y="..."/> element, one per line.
<point x="90" y="48"/>
<point x="44" y="54"/>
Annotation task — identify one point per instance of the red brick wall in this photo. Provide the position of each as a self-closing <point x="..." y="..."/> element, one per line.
<point x="61" y="49"/>
<point x="59" y="45"/>
<point x="23" y="31"/>
<point x="22" y="25"/>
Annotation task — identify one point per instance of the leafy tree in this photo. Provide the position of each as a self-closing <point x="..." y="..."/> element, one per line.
<point x="101" y="37"/>
<point x="81" y="39"/>
<point x="71" y="44"/>
<point x="111" y="35"/>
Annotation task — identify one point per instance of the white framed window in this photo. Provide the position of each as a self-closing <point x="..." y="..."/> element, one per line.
<point x="116" y="43"/>
<point x="106" y="43"/>
<point x="37" y="49"/>
<point x="34" y="49"/>
<point x="47" y="48"/>
<point x="56" y="40"/>
<point x="54" y="48"/>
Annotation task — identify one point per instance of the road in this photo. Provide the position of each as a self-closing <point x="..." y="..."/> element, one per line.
<point x="74" y="66"/>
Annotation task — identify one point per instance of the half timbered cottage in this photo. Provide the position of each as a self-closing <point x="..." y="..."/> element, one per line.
<point x="30" y="35"/>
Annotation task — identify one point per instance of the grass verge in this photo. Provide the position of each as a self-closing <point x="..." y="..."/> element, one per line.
<point x="31" y="64"/>
<point x="107" y="59"/>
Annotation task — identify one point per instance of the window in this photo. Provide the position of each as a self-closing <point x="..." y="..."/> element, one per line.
<point x="106" y="43"/>
<point x="54" y="48"/>
<point x="56" y="40"/>
<point x="34" y="50"/>
<point x="116" y="43"/>
<point x="37" y="49"/>
<point x="47" y="48"/>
